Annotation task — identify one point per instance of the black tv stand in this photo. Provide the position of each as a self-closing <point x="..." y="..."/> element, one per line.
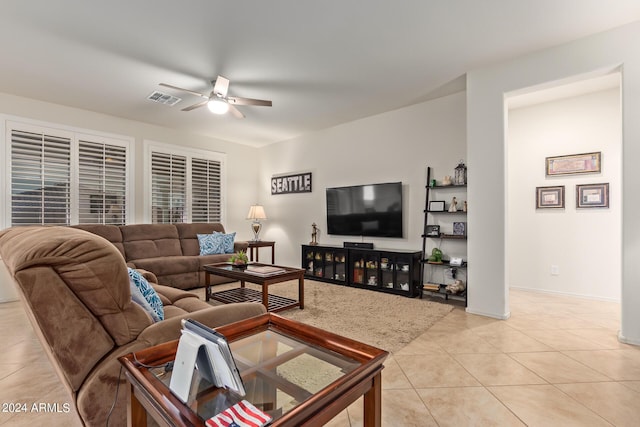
<point x="359" y="245"/>
<point x="385" y="270"/>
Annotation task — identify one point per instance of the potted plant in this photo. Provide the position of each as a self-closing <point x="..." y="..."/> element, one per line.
<point x="239" y="259"/>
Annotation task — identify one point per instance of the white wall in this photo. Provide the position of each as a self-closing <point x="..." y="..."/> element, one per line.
<point x="574" y="240"/>
<point x="486" y="88"/>
<point x="394" y="146"/>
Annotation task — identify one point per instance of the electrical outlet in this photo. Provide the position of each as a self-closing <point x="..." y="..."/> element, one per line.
<point x="555" y="270"/>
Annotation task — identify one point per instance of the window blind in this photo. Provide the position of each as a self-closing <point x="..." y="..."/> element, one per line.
<point x="102" y="188"/>
<point x="168" y="187"/>
<point x="206" y="190"/>
<point x="40" y="178"/>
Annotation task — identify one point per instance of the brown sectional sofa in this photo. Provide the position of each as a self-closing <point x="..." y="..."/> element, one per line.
<point x="170" y="251"/>
<point x="75" y="287"/>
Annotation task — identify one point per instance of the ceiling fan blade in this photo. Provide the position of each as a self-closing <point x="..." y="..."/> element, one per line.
<point x="248" y="101"/>
<point x="221" y="86"/>
<point x="184" y="90"/>
<point x="194" y="106"/>
<point x="236" y="113"/>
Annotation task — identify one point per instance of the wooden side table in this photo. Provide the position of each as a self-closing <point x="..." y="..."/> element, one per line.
<point x="255" y="244"/>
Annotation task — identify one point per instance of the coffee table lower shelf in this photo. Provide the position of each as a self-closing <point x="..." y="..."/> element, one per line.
<point x="276" y="302"/>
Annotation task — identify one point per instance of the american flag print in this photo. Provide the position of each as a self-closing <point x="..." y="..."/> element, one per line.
<point x="242" y="414"/>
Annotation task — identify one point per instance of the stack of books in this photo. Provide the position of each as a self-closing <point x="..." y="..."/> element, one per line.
<point x="431" y="287"/>
<point x="264" y="270"/>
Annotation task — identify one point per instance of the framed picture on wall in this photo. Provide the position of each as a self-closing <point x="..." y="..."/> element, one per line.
<point x="592" y="195"/>
<point x="550" y="197"/>
<point x="574" y="163"/>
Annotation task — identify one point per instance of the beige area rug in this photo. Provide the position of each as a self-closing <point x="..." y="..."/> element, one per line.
<point x="386" y="321"/>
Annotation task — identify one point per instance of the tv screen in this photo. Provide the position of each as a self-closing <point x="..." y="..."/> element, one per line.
<point x="365" y="210"/>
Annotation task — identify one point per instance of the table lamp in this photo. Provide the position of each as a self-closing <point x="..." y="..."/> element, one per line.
<point x="256" y="213"/>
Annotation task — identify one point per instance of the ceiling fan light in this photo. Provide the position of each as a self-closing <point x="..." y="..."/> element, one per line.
<point x="218" y="106"/>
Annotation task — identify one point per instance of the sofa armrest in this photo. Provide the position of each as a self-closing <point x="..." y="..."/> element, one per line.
<point x="151" y="278"/>
<point x="168" y="330"/>
<point x="240" y="246"/>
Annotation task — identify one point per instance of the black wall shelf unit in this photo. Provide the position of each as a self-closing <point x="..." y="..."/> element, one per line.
<point x="431" y="240"/>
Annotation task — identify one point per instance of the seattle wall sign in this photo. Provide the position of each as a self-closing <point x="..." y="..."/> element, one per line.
<point x="298" y="183"/>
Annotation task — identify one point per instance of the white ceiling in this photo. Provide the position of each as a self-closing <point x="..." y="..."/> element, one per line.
<point x="322" y="63"/>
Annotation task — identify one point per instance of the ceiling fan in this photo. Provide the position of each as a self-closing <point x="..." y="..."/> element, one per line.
<point x="218" y="101"/>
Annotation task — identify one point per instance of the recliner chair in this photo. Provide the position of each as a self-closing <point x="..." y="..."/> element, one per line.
<point x="75" y="286"/>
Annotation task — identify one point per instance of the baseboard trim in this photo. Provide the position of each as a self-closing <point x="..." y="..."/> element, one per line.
<point x="504" y="316"/>
<point x="565" y="294"/>
<point x="626" y="340"/>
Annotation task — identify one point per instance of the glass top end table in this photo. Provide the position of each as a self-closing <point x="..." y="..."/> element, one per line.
<point x="298" y="374"/>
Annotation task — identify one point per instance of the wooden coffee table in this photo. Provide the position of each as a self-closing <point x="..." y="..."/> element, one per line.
<point x="243" y="294"/>
<point x="298" y="374"/>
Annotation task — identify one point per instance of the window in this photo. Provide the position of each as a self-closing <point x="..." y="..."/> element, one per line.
<point x="168" y="188"/>
<point x="102" y="190"/>
<point x="61" y="176"/>
<point x="206" y="190"/>
<point x="184" y="185"/>
<point x="40" y="178"/>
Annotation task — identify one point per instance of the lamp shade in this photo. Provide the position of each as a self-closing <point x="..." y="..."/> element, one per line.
<point x="256" y="212"/>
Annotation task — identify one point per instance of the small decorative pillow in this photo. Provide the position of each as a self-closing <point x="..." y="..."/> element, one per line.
<point x="227" y="241"/>
<point x="211" y="244"/>
<point x="216" y="243"/>
<point x="143" y="294"/>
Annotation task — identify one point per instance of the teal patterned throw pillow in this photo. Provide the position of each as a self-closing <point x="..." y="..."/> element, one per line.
<point x="216" y="243"/>
<point x="143" y="294"/>
<point x="211" y="244"/>
<point x="227" y="241"/>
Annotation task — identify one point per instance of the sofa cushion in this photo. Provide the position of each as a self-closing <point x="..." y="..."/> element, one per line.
<point x="172" y="294"/>
<point x="150" y="240"/>
<point x="168" y="265"/>
<point x="191" y="305"/>
<point x="145" y="295"/>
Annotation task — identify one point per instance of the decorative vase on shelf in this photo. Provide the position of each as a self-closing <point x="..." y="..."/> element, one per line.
<point x="453" y="207"/>
<point x="460" y="174"/>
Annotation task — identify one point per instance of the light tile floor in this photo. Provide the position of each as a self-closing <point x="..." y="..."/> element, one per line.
<point x="555" y="362"/>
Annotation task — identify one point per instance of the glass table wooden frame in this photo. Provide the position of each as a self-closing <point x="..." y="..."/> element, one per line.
<point x="273" y="355"/>
<point x="273" y="303"/>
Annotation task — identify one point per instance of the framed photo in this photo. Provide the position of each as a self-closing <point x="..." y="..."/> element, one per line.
<point x="436" y="206"/>
<point x="574" y="163"/>
<point x="550" y="197"/>
<point x="459" y="228"/>
<point x="592" y="196"/>
<point x="433" y="230"/>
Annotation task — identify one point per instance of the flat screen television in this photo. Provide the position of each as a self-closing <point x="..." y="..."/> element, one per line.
<point x="365" y="210"/>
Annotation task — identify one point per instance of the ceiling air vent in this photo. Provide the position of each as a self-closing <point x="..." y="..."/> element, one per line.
<point x="163" y="98"/>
